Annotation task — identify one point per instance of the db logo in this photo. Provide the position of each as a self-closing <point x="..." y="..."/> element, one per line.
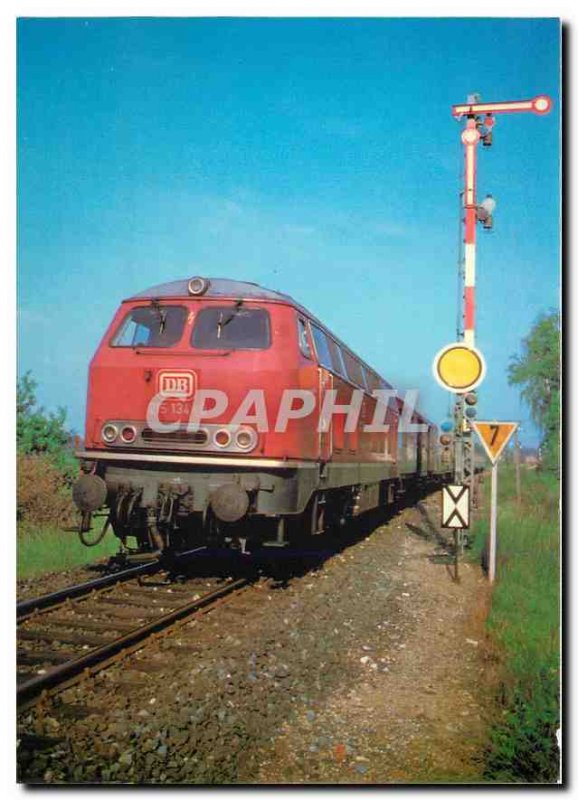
<point x="176" y="384"/>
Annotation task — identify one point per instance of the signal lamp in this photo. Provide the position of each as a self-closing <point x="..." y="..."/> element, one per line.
<point x="471" y="412"/>
<point x="447" y="426"/>
<point x="488" y="204"/>
<point x="485" y="212"/>
<point x="471" y="398"/>
<point x="445" y="440"/>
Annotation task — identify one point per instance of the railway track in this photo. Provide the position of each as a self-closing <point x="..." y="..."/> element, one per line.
<point x="28" y="607"/>
<point x="82" y="629"/>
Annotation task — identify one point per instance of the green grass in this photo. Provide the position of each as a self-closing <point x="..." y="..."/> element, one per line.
<point x="524" y="624"/>
<point x="46" y="549"/>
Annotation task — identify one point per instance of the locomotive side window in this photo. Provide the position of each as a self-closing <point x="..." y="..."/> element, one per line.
<point x="353" y="369"/>
<point x="337" y="358"/>
<point x="371" y="379"/>
<point x="151" y="326"/>
<point x="303" y="340"/>
<point x="232" y="328"/>
<point x="322" y="347"/>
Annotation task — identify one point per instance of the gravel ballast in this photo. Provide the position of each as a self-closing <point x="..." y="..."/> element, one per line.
<point x="364" y="670"/>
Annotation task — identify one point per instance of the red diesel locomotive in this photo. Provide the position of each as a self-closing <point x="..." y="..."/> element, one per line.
<point x="205" y="423"/>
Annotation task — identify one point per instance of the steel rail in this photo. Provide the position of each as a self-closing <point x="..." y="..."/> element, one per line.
<point x="26" y="607"/>
<point x="91" y="661"/>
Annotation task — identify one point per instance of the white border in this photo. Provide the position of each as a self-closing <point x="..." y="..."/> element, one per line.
<point x="288" y="8"/>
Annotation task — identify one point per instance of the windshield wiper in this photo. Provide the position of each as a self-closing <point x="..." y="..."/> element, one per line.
<point x="155" y="305"/>
<point x="221" y="323"/>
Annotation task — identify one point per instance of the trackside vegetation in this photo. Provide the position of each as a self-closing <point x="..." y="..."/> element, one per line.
<point x="46" y="466"/>
<point x="537" y="371"/>
<point x="47" y="549"/>
<point x="523" y="626"/>
<point x="524" y="617"/>
<point x="46" y="469"/>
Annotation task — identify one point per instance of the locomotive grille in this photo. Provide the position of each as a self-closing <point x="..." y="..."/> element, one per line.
<point x="175" y="437"/>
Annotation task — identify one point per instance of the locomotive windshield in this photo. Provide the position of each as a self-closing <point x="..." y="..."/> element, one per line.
<point x="232" y="328"/>
<point x="151" y="326"/>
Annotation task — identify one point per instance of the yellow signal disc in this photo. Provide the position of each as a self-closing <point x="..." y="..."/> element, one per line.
<point x="459" y="368"/>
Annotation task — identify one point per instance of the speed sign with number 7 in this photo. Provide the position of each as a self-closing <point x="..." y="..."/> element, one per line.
<point x="494" y="436"/>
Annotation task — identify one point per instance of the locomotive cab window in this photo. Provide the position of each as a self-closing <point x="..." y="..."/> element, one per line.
<point x="232" y="328"/>
<point x="151" y="326"/>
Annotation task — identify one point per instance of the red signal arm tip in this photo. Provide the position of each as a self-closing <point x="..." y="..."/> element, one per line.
<point x="541" y="104"/>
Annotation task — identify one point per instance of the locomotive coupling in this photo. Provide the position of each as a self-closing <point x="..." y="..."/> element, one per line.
<point x="89" y="493"/>
<point x="229" y="502"/>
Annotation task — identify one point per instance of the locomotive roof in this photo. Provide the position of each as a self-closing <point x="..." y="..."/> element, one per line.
<point x="223" y="287"/>
<point x="226" y="287"/>
<point x="218" y="287"/>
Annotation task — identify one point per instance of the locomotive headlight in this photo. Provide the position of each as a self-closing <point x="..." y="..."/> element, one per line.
<point x="109" y="433"/>
<point x="198" y="286"/>
<point x="222" y="437"/>
<point x="128" y="434"/>
<point x="246" y="439"/>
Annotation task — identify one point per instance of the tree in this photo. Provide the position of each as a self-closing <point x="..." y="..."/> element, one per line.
<point x="537" y="370"/>
<point x="38" y="432"/>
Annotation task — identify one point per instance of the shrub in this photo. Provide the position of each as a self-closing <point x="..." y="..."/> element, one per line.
<point x="44" y="496"/>
<point x="46" y="466"/>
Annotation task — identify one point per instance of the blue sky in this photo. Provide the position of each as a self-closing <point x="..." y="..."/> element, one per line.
<point x="315" y="156"/>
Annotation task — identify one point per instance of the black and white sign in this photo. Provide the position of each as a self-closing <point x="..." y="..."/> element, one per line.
<point x="455" y="507"/>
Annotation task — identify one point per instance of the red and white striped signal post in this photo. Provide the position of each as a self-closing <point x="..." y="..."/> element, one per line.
<point x="470" y="139"/>
<point x="481" y="129"/>
<point x="480" y="122"/>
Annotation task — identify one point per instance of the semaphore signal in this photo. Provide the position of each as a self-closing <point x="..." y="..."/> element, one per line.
<point x="479" y="125"/>
<point x="460" y="366"/>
